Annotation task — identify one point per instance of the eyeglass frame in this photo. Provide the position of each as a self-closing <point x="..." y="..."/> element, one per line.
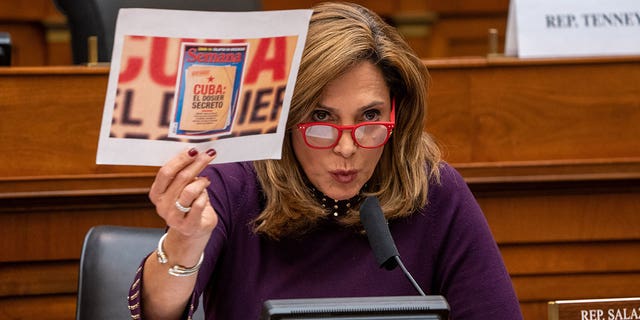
<point x="390" y="125"/>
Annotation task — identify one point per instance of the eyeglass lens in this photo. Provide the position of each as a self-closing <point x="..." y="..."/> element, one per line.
<point x="368" y="135"/>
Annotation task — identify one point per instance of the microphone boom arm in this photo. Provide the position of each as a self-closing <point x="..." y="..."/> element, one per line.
<point x="408" y="275"/>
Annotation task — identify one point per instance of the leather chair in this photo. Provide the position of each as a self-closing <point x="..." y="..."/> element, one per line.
<point x="98" y="18"/>
<point x="108" y="263"/>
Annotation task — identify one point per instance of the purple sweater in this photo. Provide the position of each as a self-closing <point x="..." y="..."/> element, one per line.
<point x="447" y="246"/>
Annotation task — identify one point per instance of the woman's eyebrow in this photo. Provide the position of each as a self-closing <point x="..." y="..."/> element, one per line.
<point x="363" y="108"/>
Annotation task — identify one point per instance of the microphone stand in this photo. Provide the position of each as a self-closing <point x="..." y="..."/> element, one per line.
<point x="408" y="275"/>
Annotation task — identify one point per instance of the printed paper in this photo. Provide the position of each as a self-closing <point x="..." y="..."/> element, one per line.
<point x="182" y="79"/>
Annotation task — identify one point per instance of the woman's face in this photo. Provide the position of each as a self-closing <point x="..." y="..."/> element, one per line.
<point x="360" y="95"/>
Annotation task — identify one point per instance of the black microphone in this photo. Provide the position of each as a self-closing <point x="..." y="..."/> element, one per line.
<point x="380" y="240"/>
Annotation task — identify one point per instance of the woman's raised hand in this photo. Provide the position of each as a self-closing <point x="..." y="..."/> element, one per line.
<point x="180" y="196"/>
<point x="181" y="199"/>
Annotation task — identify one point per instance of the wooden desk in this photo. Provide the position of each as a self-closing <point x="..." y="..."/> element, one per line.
<point x="549" y="147"/>
<point x="511" y="110"/>
<point x="551" y="150"/>
<point x="51" y="190"/>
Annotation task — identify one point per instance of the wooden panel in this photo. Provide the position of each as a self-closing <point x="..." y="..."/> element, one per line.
<point x="31" y="98"/>
<point x="563" y="217"/>
<point x="55" y="229"/>
<point x="534" y="310"/>
<point x="468" y="7"/>
<point x="599" y="169"/>
<point x="75" y="185"/>
<point x="25" y="11"/>
<point x="384" y="8"/>
<point x="434" y="28"/>
<point x="28" y="43"/>
<point x="451" y="28"/>
<point x="464" y="36"/>
<point x="576" y="286"/>
<point x="51" y="307"/>
<point x="567" y="258"/>
<point x="503" y="110"/>
<point x="20" y="279"/>
<point x="59" y="49"/>
<point x="480" y="113"/>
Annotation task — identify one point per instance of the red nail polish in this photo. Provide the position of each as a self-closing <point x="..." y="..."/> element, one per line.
<point x="192" y="152"/>
<point x="211" y="152"/>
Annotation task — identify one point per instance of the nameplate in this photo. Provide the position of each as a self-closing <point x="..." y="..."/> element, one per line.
<point x="595" y="309"/>
<point x="572" y="28"/>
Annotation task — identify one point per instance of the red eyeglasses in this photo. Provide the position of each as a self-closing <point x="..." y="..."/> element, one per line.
<point x="369" y="135"/>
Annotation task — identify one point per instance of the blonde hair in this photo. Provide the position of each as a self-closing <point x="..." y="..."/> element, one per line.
<point x="340" y="36"/>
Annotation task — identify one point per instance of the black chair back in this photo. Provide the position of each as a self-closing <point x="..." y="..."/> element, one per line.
<point x="108" y="263"/>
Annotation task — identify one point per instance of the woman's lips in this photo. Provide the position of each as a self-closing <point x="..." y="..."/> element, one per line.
<point x="344" y="176"/>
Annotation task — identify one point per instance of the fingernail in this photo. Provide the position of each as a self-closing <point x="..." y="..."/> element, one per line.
<point x="192" y="152"/>
<point x="211" y="152"/>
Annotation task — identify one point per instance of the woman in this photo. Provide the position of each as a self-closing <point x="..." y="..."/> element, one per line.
<point x="243" y="233"/>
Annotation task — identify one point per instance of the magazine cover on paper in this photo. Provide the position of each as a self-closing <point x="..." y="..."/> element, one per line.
<point x="182" y="79"/>
<point x="208" y="82"/>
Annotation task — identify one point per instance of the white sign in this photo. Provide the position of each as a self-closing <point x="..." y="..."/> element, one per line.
<point x="183" y="79"/>
<point x="573" y="28"/>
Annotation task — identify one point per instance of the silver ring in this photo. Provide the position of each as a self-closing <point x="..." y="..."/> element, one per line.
<point x="182" y="208"/>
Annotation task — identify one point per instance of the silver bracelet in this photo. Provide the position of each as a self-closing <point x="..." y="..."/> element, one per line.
<point x="177" y="270"/>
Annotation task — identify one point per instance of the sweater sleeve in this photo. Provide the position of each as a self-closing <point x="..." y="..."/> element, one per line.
<point x="134" y="299"/>
<point x="228" y="186"/>
<point x="471" y="273"/>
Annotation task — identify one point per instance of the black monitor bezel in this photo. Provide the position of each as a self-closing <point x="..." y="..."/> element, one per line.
<point x="388" y="307"/>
